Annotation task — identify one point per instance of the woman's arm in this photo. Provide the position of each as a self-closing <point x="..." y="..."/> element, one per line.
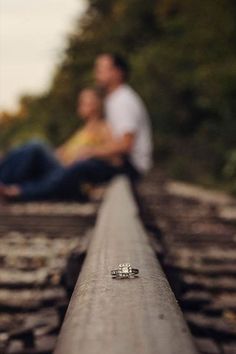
<point x="60" y="151"/>
<point x="112" y="146"/>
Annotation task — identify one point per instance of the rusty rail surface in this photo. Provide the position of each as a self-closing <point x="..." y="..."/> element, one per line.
<point x="127" y="316"/>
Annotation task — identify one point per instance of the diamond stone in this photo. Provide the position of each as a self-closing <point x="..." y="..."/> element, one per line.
<point x="125" y="268"/>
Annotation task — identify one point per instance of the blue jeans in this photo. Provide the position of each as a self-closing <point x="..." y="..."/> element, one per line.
<point x="41" y="176"/>
<point x="28" y="162"/>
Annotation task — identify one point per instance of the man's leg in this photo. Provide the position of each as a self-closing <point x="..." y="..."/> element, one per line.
<point x="135" y="176"/>
<point x="27" y="162"/>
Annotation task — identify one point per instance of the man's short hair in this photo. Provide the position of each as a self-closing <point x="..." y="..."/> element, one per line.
<point x="120" y="63"/>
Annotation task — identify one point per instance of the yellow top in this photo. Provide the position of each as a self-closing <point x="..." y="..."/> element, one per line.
<point x="83" y="138"/>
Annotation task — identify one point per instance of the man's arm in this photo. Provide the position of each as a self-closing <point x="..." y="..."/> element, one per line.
<point x="115" y="147"/>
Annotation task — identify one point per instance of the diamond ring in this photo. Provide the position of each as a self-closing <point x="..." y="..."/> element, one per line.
<point x="124" y="271"/>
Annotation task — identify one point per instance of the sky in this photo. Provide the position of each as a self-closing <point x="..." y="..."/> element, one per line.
<point x="32" y="37"/>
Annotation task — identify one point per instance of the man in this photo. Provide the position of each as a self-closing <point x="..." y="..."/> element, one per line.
<point x="126" y="113"/>
<point x="130" y="126"/>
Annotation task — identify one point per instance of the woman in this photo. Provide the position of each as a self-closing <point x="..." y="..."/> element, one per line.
<point x="34" y="172"/>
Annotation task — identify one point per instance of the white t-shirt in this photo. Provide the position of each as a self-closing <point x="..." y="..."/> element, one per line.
<point x="126" y="113"/>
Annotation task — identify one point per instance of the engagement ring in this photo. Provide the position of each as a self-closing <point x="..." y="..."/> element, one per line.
<point x="124" y="271"/>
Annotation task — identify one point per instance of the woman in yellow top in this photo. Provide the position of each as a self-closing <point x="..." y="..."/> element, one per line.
<point x="43" y="174"/>
<point x="94" y="133"/>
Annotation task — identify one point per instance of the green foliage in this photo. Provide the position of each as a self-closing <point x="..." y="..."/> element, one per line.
<point x="230" y="166"/>
<point x="183" y="55"/>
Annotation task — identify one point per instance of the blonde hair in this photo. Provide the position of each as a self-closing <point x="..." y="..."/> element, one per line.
<point x="99" y="95"/>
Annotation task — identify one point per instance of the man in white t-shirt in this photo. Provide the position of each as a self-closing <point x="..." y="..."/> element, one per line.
<point x="126" y="113"/>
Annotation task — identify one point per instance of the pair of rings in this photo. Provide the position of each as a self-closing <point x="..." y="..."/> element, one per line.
<point x="124" y="271"/>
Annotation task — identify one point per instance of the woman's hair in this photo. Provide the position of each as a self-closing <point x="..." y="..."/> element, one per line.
<point x="99" y="93"/>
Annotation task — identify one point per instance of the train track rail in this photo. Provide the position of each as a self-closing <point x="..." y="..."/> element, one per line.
<point x="43" y="247"/>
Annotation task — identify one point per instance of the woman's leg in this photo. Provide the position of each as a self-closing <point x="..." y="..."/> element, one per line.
<point x="65" y="183"/>
<point x="27" y="162"/>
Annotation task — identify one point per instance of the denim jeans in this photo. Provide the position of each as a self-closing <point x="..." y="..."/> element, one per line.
<point x="27" y="162"/>
<point x="41" y="176"/>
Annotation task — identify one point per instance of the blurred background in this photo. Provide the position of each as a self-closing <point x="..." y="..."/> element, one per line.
<point x="183" y="57"/>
